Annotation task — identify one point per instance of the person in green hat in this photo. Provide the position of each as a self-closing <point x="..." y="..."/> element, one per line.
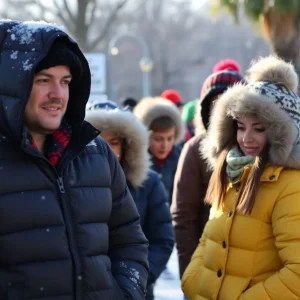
<point x="187" y="116"/>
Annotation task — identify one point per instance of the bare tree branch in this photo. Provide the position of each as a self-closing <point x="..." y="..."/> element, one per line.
<point x="57" y="13"/>
<point x="69" y="13"/>
<point x="21" y="3"/>
<point x="93" y="12"/>
<point x="107" y="25"/>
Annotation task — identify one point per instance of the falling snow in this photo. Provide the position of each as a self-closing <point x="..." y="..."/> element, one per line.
<point x="123" y="265"/>
<point x="14" y="55"/>
<point x="134" y="275"/>
<point x="26" y="65"/>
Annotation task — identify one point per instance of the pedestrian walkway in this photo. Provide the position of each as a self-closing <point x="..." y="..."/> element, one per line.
<point x="169" y="288"/>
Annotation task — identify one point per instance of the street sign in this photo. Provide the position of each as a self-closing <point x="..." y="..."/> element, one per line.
<point x="97" y="62"/>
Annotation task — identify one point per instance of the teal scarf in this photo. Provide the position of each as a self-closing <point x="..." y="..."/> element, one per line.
<point x="236" y="162"/>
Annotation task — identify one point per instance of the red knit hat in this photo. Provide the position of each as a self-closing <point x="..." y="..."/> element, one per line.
<point x="214" y="85"/>
<point x="173" y="96"/>
<point x="226" y="64"/>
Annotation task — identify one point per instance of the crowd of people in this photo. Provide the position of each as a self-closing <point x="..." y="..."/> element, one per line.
<point x="94" y="195"/>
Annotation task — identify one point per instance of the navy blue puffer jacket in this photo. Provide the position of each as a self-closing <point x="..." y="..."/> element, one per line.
<point x="167" y="169"/>
<point x="144" y="184"/>
<point x="67" y="232"/>
<point x="154" y="210"/>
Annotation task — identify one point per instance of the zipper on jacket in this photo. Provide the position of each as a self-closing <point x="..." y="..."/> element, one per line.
<point x="71" y="235"/>
<point x="60" y="185"/>
<point x="51" y="170"/>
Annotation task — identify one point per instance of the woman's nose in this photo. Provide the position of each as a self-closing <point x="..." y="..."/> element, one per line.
<point x="247" y="136"/>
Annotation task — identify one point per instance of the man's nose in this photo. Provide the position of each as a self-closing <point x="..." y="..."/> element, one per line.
<point x="57" y="91"/>
<point x="164" y="144"/>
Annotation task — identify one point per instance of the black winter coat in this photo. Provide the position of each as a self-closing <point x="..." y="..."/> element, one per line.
<point x="67" y="232"/>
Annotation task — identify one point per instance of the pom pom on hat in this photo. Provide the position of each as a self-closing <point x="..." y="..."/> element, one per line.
<point x="275" y="70"/>
<point x="226" y="64"/>
<point x="173" y="96"/>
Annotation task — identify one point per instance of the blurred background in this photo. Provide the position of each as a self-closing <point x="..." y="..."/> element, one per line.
<point x="140" y="47"/>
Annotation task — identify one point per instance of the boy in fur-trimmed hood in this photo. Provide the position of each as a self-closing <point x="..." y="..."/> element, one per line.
<point x="163" y="120"/>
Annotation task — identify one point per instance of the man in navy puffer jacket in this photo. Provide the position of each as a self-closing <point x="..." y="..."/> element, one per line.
<point x="66" y="231"/>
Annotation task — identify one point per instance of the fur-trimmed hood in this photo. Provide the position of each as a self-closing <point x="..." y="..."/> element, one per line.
<point x="136" y="160"/>
<point x="151" y="108"/>
<point x="271" y="96"/>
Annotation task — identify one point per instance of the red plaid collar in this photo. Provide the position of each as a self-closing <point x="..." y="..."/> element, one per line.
<point x="56" y="143"/>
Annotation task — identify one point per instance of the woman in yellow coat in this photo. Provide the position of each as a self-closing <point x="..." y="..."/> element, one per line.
<point x="250" y="248"/>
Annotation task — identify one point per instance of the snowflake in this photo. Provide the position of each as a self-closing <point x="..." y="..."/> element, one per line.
<point x="26" y="65"/>
<point x="24" y="32"/>
<point x="14" y="55"/>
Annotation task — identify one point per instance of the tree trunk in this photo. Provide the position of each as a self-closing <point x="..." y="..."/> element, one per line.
<point x="283" y="33"/>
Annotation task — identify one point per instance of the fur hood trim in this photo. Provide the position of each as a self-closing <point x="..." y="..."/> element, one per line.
<point x="136" y="160"/>
<point x="275" y="106"/>
<point x="239" y="101"/>
<point x="151" y="108"/>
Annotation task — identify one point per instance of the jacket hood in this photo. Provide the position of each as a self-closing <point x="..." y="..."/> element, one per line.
<point x="136" y="160"/>
<point x="198" y="121"/>
<point x="151" y="108"/>
<point x="271" y="96"/>
<point x="23" y="46"/>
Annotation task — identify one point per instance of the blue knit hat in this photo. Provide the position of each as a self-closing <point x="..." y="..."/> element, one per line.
<point x="103" y="104"/>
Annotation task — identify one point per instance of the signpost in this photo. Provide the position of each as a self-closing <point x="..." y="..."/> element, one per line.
<point x="97" y="62"/>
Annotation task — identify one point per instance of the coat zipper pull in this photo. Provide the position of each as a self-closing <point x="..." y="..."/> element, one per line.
<point x="60" y="185"/>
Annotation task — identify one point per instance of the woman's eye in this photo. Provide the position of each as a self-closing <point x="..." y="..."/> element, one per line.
<point x="240" y="128"/>
<point x="260" y="129"/>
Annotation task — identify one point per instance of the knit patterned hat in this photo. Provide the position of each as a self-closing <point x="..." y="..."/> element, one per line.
<point x="271" y="96"/>
<point x="214" y="85"/>
<point x="102" y="104"/>
<point x="173" y="96"/>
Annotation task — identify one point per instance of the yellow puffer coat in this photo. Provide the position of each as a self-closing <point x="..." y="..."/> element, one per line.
<point x="251" y="257"/>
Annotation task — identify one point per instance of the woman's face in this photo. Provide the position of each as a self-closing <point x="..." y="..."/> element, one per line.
<point x="114" y="142"/>
<point x="251" y="135"/>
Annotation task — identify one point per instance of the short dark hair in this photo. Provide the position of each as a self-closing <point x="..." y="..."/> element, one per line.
<point x="162" y="123"/>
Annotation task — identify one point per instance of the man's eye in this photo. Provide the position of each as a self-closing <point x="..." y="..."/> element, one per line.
<point x="67" y="82"/>
<point x="42" y="80"/>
